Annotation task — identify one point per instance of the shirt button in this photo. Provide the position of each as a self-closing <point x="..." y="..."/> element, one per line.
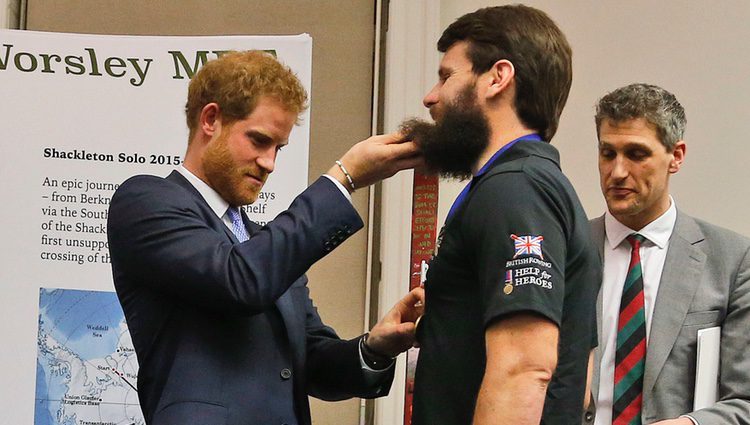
<point x="589" y="416"/>
<point x="286" y="374"/>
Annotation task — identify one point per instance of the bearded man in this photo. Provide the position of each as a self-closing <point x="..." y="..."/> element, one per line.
<point x="510" y="295"/>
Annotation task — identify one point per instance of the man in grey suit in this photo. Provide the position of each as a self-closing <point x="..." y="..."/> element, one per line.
<point x="666" y="276"/>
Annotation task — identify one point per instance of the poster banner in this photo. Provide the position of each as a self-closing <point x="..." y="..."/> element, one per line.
<point x="423" y="247"/>
<point x="81" y="114"/>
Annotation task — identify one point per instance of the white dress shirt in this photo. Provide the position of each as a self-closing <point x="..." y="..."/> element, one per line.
<point x="217" y="204"/>
<point x="617" y="252"/>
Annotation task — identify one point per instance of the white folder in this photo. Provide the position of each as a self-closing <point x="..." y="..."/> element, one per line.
<point x="707" y="368"/>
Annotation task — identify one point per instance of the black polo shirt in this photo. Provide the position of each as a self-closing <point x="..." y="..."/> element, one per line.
<point x="519" y="242"/>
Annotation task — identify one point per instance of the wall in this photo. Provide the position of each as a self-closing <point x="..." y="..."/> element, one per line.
<point x="698" y="50"/>
<point x="9" y="13"/>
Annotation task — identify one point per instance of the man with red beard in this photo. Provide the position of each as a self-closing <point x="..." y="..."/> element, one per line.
<point x="509" y="318"/>
<point x="218" y="308"/>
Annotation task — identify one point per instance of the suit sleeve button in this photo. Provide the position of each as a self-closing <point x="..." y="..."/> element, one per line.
<point x="286" y="374"/>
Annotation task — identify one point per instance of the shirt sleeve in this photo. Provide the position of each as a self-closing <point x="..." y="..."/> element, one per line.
<point x="516" y="231"/>
<point x="691" y="419"/>
<point x="341" y="187"/>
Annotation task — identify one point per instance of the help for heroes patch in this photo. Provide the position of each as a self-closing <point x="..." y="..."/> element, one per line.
<point x="530" y="267"/>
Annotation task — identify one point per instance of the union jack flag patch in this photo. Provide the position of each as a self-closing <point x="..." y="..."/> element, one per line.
<point x="528" y="245"/>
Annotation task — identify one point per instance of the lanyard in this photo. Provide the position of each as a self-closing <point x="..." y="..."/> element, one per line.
<point x="465" y="192"/>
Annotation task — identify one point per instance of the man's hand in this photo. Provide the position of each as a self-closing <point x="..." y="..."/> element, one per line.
<point x="375" y="159"/>
<point x="587" y="396"/>
<point x="678" y="421"/>
<point x="395" y="332"/>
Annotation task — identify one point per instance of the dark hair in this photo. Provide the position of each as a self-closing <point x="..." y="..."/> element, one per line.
<point x="656" y="105"/>
<point x="539" y="51"/>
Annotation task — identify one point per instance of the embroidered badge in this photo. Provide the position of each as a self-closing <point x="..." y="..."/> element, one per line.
<point x="530" y="269"/>
<point x="528" y="245"/>
<point x="508" y="288"/>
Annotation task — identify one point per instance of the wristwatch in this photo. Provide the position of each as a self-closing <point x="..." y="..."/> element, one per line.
<point x="373" y="360"/>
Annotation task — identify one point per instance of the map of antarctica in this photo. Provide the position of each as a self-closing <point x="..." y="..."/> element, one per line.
<point x="86" y="365"/>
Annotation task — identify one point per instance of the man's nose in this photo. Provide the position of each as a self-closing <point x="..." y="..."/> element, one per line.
<point x="431" y="98"/>
<point x="267" y="159"/>
<point x="619" y="168"/>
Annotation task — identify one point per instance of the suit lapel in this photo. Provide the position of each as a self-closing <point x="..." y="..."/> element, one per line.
<point x="208" y="214"/>
<point x="679" y="281"/>
<point x="598" y="234"/>
<point x="285" y="303"/>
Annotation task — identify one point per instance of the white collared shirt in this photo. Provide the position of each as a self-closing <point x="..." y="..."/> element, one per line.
<point x="217" y="204"/>
<point x="617" y="252"/>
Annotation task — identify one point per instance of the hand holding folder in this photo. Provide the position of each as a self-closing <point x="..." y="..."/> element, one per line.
<point x="707" y="368"/>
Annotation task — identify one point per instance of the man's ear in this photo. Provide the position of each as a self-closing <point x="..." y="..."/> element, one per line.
<point x="501" y="78"/>
<point x="209" y="121"/>
<point x="678" y="156"/>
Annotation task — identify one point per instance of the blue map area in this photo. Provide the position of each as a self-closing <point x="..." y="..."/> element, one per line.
<point x="86" y="364"/>
<point x="75" y="311"/>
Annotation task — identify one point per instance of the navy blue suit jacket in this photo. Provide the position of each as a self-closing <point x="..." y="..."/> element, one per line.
<point x="225" y="332"/>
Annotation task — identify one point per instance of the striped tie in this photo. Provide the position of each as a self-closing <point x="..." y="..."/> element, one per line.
<point x="238" y="226"/>
<point x="631" y="343"/>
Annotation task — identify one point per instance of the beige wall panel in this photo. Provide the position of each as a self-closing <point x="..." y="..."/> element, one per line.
<point x="698" y="50"/>
<point x="343" y="38"/>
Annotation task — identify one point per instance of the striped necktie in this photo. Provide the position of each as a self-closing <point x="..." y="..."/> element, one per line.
<point x="630" y="356"/>
<point x="238" y="226"/>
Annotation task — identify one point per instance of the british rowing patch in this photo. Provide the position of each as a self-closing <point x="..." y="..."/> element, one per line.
<point x="528" y="245"/>
<point x="530" y="268"/>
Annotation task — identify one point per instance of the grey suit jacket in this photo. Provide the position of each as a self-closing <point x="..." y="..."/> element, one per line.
<point x="705" y="283"/>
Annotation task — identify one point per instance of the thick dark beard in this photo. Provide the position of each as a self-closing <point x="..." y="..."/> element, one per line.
<point x="452" y="146"/>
